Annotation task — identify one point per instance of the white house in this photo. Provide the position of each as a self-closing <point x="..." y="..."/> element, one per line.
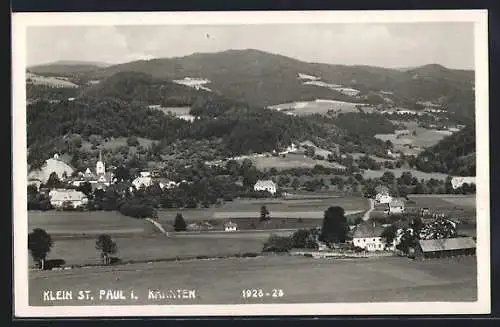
<point x="58" y="197"/>
<point x="368" y="236"/>
<point x="458" y="181"/>
<point x="382" y="195"/>
<point x="396" y="206"/>
<point x="265" y="185"/>
<point x="230" y="226"/>
<point x="142" y="182"/>
<point x="383" y="198"/>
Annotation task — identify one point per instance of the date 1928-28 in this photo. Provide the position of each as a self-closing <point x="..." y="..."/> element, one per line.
<point x="256" y="293"/>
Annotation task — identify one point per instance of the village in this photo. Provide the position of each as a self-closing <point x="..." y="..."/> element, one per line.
<point x="378" y="231"/>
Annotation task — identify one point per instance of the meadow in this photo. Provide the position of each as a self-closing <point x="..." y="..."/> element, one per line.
<point x="393" y="279"/>
<point x="288" y="161"/>
<point x="308" y="207"/>
<point x="82" y="251"/>
<point x="304" y="108"/>
<point x="424" y="137"/>
<point x="459" y="207"/>
<point x="398" y="171"/>
<point x="75" y="223"/>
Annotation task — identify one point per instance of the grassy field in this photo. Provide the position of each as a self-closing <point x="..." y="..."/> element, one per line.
<point x="398" y="171"/>
<point x="301" y="279"/>
<point x="461" y="207"/>
<point x="81" y="251"/>
<point x="66" y="223"/>
<point x="424" y="137"/>
<point x="50" y="81"/>
<point x="304" y="108"/>
<point x="290" y="160"/>
<point x="309" y="207"/>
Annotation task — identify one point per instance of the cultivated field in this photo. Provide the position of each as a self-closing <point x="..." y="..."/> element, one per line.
<point x="304" y="108"/>
<point x="301" y="279"/>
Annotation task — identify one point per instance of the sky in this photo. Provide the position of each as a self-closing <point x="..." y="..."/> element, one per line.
<point x="392" y="45"/>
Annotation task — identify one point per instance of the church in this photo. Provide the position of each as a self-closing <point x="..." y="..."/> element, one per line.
<point x="98" y="178"/>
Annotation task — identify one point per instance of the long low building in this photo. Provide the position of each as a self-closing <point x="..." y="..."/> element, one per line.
<point x="445" y="247"/>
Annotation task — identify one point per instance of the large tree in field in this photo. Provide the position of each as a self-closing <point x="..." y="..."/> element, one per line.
<point x="179" y="223"/>
<point x="107" y="247"/>
<point x="264" y="213"/>
<point x="39" y="244"/>
<point x="335" y="226"/>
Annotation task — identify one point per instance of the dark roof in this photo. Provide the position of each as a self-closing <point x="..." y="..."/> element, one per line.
<point x="447" y="244"/>
<point x="367" y="229"/>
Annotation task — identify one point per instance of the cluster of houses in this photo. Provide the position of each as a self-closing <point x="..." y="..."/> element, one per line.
<point x="389" y="204"/>
<point x="98" y="178"/>
<point x="368" y="235"/>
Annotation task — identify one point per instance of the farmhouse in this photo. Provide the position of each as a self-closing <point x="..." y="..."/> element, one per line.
<point x="143" y="180"/>
<point x="368" y="236"/>
<point x="396" y="206"/>
<point x="73" y="198"/>
<point x="445" y="247"/>
<point x="230" y="226"/>
<point x="265" y="185"/>
<point x="457" y="182"/>
<point x="383" y="195"/>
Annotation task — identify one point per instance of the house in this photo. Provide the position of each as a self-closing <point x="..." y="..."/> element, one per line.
<point x="445" y="247"/>
<point x="458" y="181"/>
<point x="143" y="180"/>
<point x="396" y="206"/>
<point x="383" y="195"/>
<point x="368" y="236"/>
<point x="265" y="185"/>
<point x="230" y="226"/>
<point x="61" y="197"/>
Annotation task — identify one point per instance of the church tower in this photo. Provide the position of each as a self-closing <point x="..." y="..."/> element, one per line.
<point x="100" y="169"/>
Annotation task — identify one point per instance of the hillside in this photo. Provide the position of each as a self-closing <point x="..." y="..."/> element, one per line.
<point x="263" y="79"/>
<point x="144" y="89"/>
<point x="454" y="155"/>
<point x="66" y="68"/>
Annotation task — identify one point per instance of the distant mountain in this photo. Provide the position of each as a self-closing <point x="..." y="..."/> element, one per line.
<point x="66" y="68"/>
<point x="263" y="79"/>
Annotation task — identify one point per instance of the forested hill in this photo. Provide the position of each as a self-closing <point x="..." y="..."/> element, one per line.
<point x="248" y="132"/>
<point x="261" y="79"/>
<point x="454" y="155"/>
<point x="145" y="89"/>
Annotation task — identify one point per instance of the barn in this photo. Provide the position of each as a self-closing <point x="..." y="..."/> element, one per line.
<point x="445" y="247"/>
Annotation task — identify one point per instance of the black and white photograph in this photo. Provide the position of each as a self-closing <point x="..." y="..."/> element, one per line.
<point x="251" y="163"/>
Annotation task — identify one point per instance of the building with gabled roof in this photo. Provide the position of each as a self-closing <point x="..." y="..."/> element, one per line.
<point x="265" y="185"/>
<point x="445" y="247"/>
<point x="368" y="236"/>
<point x="396" y="206"/>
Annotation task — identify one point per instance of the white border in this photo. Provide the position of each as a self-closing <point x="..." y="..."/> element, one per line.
<point x="22" y="20"/>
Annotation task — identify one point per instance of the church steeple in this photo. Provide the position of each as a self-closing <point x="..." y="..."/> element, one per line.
<point x="100" y="169"/>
